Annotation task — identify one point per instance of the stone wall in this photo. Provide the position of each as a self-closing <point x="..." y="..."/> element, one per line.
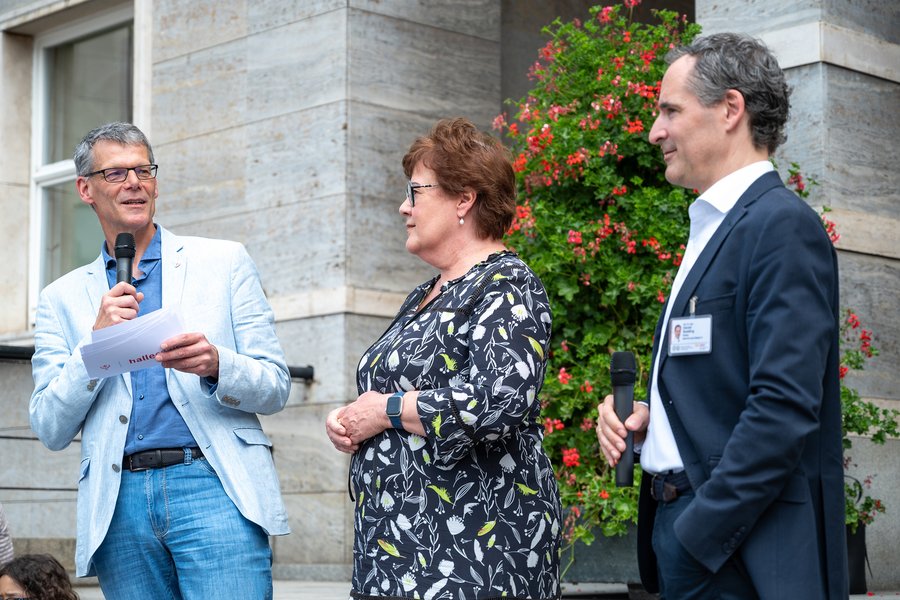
<point x="282" y="125"/>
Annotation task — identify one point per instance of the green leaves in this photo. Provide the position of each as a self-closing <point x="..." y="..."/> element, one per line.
<point x="599" y="224"/>
<point x="603" y="229"/>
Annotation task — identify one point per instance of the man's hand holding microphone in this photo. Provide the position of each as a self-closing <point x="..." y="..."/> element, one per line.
<point x="187" y="352"/>
<point x="122" y="301"/>
<point x="621" y="421"/>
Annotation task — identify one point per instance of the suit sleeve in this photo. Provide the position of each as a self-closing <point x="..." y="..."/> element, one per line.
<point x="253" y="373"/>
<point x="790" y="268"/>
<point x="63" y="391"/>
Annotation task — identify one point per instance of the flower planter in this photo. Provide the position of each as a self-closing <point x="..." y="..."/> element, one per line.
<point x="606" y="560"/>
<point x="614" y="560"/>
<point x="857" y="558"/>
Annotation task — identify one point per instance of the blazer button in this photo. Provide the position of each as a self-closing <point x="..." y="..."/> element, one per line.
<point x="91" y="385"/>
<point x="123" y="419"/>
<point x="116" y="468"/>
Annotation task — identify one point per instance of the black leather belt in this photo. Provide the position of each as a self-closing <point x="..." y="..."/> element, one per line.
<point x="155" y="459"/>
<point x="665" y="487"/>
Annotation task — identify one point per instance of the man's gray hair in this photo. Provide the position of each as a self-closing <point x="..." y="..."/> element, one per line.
<point x="735" y="61"/>
<point x="125" y="134"/>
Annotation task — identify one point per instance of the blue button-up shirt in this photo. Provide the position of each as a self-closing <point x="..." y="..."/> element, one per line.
<point x="155" y="422"/>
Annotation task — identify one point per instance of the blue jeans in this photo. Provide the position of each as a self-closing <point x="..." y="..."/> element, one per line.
<point x="681" y="576"/>
<point x="176" y="535"/>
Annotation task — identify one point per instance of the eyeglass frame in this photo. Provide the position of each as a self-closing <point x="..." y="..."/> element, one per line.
<point x="411" y="190"/>
<point x="152" y="168"/>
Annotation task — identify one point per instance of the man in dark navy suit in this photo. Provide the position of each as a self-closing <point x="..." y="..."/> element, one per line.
<point x="742" y="492"/>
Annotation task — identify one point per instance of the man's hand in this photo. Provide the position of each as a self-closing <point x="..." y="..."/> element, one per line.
<point x="190" y="353"/>
<point x="119" y="304"/>
<point x="611" y="431"/>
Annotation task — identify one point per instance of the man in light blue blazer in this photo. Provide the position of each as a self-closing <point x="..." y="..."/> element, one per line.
<point x="742" y="495"/>
<point x="177" y="493"/>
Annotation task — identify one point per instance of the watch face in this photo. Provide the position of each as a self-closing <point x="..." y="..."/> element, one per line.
<point x="395" y="405"/>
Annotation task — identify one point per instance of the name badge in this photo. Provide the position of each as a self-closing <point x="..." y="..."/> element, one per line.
<point x="690" y="335"/>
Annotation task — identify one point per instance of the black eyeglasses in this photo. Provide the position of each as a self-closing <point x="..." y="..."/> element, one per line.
<point x="120" y="174"/>
<point x="411" y="190"/>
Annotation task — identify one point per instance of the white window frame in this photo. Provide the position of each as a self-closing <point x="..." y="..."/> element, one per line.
<point x="45" y="175"/>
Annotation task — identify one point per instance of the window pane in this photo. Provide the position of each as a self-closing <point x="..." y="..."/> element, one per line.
<point x="72" y="234"/>
<point x="89" y="83"/>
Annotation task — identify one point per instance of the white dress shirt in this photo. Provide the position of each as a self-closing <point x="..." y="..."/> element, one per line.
<point x="659" y="452"/>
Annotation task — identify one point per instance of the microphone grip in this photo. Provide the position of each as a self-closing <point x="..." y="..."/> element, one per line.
<point x="123" y="269"/>
<point x="623" y="396"/>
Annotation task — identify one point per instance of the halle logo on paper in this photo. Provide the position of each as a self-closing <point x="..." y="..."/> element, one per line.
<point x="140" y="359"/>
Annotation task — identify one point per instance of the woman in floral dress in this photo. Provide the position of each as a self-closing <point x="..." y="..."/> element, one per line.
<point x="454" y="495"/>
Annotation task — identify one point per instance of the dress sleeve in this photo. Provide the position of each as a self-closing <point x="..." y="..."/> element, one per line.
<point x="508" y="335"/>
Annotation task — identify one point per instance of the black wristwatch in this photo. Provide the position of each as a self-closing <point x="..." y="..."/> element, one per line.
<point x="395" y="409"/>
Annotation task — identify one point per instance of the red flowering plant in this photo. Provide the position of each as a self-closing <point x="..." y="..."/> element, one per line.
<point x="602" y="228"/>
<point x="859" y="417"/>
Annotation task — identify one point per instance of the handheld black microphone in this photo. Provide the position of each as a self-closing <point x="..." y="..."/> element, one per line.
<point x="124" y="256"/>
<point x="622" y="368"/>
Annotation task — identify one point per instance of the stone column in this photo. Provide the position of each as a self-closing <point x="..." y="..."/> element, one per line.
<point x="282" y="125"/>
<point x="15" y="133"/>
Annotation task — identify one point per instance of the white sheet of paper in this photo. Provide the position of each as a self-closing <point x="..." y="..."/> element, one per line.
<point x="131" y="345"/>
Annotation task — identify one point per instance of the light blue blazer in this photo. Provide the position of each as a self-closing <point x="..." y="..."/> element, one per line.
<point x="219" y="290"/>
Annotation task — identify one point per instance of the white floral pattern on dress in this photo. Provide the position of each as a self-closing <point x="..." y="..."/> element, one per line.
<point x="472" y="509"/>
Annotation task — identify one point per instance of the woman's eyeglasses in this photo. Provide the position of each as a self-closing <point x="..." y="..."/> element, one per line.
<point x="411" y="190"/>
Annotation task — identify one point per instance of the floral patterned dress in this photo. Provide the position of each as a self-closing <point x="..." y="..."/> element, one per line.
<point x="470" y="511"/>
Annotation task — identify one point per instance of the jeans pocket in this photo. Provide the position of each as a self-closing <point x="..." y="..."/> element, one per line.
<point x="204" y="465"/>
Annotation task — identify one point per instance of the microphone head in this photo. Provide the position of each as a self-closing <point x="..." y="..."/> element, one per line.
<point x="622" y="368"/>
<point x="125" y="245"/>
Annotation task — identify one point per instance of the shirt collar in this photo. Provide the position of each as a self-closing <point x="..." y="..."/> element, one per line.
<point x="153" y="251"/>
<point x="725" y="193"/>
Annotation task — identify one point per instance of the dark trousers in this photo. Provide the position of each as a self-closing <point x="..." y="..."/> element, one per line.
<point x="681" y="577"/>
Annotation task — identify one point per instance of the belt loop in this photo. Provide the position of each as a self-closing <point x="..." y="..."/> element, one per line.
<point x="188" y="457"/>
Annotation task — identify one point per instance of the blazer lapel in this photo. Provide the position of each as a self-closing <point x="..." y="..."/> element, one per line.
<point x="737" y="212"/>
<point x="174" y="264"/>
<point x="97" y="285"/>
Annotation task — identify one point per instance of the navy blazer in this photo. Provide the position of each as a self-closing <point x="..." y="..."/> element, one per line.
<point x="757" y="421"/>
